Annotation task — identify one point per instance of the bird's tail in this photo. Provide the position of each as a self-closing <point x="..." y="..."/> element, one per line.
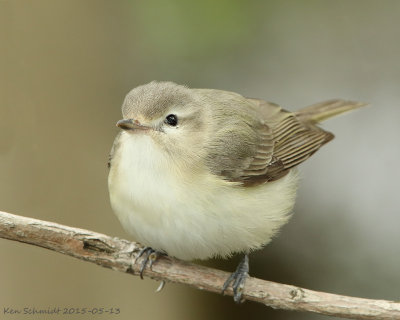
<point x="324" y="110"/>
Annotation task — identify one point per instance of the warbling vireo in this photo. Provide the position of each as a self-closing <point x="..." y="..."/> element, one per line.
<point x="198" y="173"/>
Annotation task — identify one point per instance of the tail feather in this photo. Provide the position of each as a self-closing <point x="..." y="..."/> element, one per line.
<point x="326" y="109"/>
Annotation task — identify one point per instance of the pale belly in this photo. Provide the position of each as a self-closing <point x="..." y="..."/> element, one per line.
<point x="193" y="218"/>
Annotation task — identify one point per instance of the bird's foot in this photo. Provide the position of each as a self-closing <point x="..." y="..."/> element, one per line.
<point x="238" y="278"/>
<point x="150" y="256"/>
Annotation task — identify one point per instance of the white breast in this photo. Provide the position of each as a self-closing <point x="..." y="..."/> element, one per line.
<point x="187" y="216"/>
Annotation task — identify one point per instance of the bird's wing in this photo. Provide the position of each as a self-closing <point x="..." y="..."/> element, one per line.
<point x="114" y="147"/>
<point x="284" y="142"/>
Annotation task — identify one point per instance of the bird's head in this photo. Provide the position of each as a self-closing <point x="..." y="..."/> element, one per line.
<point x="171" y="115"/>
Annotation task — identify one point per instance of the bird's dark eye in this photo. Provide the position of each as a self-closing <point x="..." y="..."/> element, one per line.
<point x="171" y="119"/>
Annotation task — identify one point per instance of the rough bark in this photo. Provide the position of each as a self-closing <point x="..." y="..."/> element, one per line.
<point x="118" y="254"/>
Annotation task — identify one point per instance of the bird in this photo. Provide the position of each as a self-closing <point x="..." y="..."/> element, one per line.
<point x="202" y="173"/>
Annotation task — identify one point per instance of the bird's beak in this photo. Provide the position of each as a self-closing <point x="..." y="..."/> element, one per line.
<point x="131" y="124"/>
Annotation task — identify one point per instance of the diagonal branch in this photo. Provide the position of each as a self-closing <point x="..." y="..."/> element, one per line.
<point x="118" y="255"/>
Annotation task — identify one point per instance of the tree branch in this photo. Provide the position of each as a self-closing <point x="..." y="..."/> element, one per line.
<point x="118" y="255"/>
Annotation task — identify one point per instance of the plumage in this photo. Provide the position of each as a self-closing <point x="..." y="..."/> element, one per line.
<point x="222" y="180"/>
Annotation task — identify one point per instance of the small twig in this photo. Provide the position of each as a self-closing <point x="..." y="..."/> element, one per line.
<point x="118" y="255"/>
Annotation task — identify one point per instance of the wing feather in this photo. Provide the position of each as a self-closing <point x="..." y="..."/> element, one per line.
<point x="293" y="142"/>
<point x="267" y="141"/>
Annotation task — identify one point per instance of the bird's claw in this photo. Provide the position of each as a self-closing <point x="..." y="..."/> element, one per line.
<point x="150" y="256"/>
<point x="238" y="278"/>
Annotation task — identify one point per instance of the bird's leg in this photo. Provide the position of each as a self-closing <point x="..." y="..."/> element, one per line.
<point x="150" y="255"/>
<point x="238" y="278"/>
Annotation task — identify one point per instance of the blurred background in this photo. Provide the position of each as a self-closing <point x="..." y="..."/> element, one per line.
<point x="66" y="66"/>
